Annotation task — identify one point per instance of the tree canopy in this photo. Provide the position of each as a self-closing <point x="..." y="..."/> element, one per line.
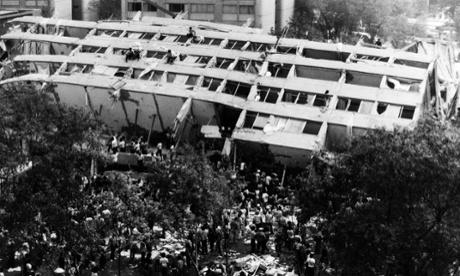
<point x="188" y="189"/>
<point x="345" y="20"/>
<point x="106" y="9"/>
<point x="391" y="199"/>
<point x="46" y="148"/>
<point x="51" y="194"/>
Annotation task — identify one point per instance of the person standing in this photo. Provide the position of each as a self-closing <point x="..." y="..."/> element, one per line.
<point x="164" y="264"/>
<point x="212" y="238"/>
<point x="261" y="238"/>
<point x="279" y="242"/>
<point x="310" y="266"/>
<point x="300" y="251"/>
<point x="102" y="260"/>
<point x="204" y="240"/>
<point x="252" y="235"/>
<point x="219" y="236"/>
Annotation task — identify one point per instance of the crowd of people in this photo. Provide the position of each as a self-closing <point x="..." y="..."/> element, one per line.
<point x="264" y="217"/>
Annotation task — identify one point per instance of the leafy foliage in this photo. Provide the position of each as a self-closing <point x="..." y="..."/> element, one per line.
<point x="391" y="201"/>
<point x="106" y="9"/>
<point x="338" y="19"/>
<point x="188" y="190"/>
<point x="59" y="142"/>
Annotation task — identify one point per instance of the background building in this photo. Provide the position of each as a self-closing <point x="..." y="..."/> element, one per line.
<point x="61" y="8"/>
<point x="267" y="14"/>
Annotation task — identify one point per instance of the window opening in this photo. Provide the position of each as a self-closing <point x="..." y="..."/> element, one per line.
<point x="150" y="8"/>
<point x="287" y="50"/>
<point x="407" y="112"/>
<point x="147" y="36"/>
<point x="211" y="84"/>
<point x="268" y="94"/>
<point x="312" y="127"/>
<point x="134" y="6"/>
<point x="216" y="42"/>
<point x="381" y="108"/>
<point x="176" y="7"/>
<point x="235" y="45"/>
<point x="320" y="100"/>
<point x="249" y="120"/>
<point x="155" y="54"/>
<point x="203" y="60"/>
<point x="223" y="63"/>
<point x="278" y="70"/>
<point x="156" y="76"/>
<point x="237" y="89"/>
<point x="191" y="80"/>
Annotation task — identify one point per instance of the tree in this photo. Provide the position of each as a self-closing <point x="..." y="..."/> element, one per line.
<point x="399" y="32"/>
<point x="341" y="20"/>
<point x="106" y="9"/>
<point x="188" y="188"/>
<point x="59" y="143"/>
<point x="452" y="8"/>
<point x="188" y="191"/>
<point x="391" y="200"/>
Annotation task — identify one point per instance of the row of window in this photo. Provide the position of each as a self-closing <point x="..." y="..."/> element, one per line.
<point x="366" y="107"/>
<point x="194" y="8"/>
<point x="276" y="70"/>
<point x="271" y="95"/>
<point x="264" y="94"/>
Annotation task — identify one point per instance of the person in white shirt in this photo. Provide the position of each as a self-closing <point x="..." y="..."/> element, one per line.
<point x="310" y="266"/>
<point x="114" y="144"/>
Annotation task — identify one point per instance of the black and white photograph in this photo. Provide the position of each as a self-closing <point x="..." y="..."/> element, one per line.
<point x="229" y="138"/>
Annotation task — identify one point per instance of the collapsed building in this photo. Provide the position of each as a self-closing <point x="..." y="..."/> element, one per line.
<point x="293" y="96"/>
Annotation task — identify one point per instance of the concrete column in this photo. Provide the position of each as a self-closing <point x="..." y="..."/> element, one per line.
<point x="124" y="9"/>
<point x="218" y="11"/>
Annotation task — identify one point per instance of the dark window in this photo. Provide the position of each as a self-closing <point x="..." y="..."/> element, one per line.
<point x="246" y="9"/>
<point x="348" y="105"/>
<point x="148" y="7"/>
<point x="237" y="89"/>
<point x="354" y="105"/>
<point x="381" y="107"/>
<point x="176" y="7"/>
<point x="211" y="84"/>
<point x="223" y="63"/>
<point x="312" y="127"/>
<point x="233" y="44"/>
<point x="407" y="112"/>
<point x="303" y="99"/>
<point x="249" y="120"/>
<point x="279" y="70"/>
<point x="135" y="6"/>
<point x="268" y="94"/>
<point x="320" y="100"/>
